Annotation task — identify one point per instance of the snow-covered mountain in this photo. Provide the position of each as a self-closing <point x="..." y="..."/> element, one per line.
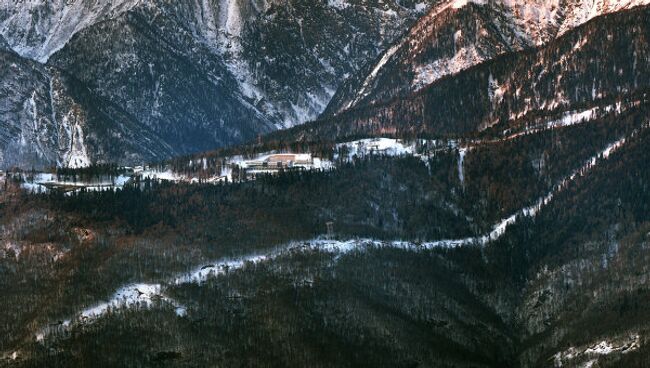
<point x="49" y="118"/>
<point x="450" y="38"/>
<point x="195" y="75"/>
<point x="205" y="73"/>
<point x="38" y="28"/>
<point x="544" y="20"/>
<point x="458" y="34"/>
<point x="590" y="68"/>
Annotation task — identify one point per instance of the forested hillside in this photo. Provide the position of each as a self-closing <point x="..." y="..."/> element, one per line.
<point x="380" y="304"/>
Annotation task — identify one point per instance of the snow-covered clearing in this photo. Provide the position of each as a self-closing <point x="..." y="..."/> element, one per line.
<point x="166" y="175"/>
<point x="262" y="163"/>
<point x="374" y="146"/>
<point x="275" y="161"/>
<point x="588" y="355"/>
<point x="43" y="182"/>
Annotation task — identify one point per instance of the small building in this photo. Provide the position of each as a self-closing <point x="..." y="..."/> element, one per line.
<point x="274" y="163"/>
<point x="287" y="160"/>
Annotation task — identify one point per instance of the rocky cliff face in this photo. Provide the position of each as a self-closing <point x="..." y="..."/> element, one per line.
<point x="49" y="118"/>
<point x="27" y="134"/>
<point x="37" y="29"/>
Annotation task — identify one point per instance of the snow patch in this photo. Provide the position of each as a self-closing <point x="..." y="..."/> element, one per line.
<point x="421" y="7"/>
<point x="373" y="75"/>
<point x="462" y="152"/>
<point x="338" y="4"/>
<point x="374" y="146"/>
<point x="457" y="4"/>
<point x="495" y="91"/>
<point x="464" y="58"/>
<point x="11" y="247"/>
<point x="140" y="295"/>
<point x="165" y="175"/>
<point x="77" y="157"/>
<point x="588" y="355"/>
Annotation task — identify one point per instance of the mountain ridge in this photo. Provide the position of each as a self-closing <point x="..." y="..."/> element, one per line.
<point x="514" y="26"/>
<point x="510" y="89"/>
<point x="264" y="60"/>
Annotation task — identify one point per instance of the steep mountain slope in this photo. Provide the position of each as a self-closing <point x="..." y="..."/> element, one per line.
<point x="25" y="86"/>
<point x="37" y="29"/>
<point x="597" y="64"/>
<point x="584" y="262"/>
<point x="450" y="38"/>
<point x="202" y="74"/>
<point x="48" y="118"/>
<point x="457" y="35"/>
<point x="169" y="83"/>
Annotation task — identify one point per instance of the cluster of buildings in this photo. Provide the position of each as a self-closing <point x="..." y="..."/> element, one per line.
<point x="274" y="163"/>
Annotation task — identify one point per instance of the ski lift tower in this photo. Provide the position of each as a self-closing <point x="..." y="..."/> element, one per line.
<point x="330" y="230"/>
